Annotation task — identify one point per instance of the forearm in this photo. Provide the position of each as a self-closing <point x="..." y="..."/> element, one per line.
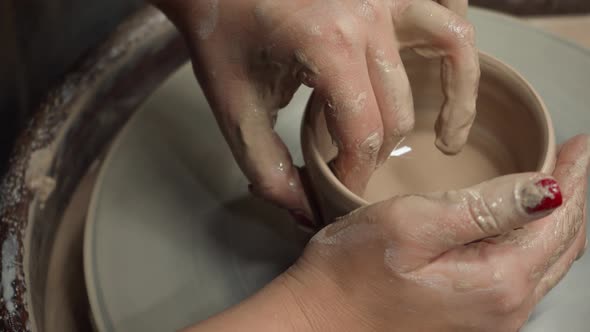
<point x="288" y="304"/>
<point x="271" y="309"/>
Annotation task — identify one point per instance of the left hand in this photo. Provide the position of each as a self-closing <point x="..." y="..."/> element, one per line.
<point x="250" y="57"/>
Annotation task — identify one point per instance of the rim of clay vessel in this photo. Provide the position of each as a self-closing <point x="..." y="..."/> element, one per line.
<point x="488" y="63"/>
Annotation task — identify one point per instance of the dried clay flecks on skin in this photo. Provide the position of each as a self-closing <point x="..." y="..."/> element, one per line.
<point x="521" y="238"/>
<point x="452" y="135"/>
<point x="467" y="285"/>
<point x="497" y="276"/>
<point x="537" y="272"/>
<point x="392" y="260"/>
<point x="578" y="169"/>
<point x="366" y="10"/>
<point x="432" y="231"/>
<point x="532" y="195"/>
<point x="352" y="105"/>
<point x="431" y="281"/>
<point x="463" y="267"/>
<point x="305" y="71"/>
<point x="460" y="29"/>
<point x="398" y="96"/>
<point x="384" y="65"/>
<point x="462" y="285"/>
<point x="305" y="62"/>
<point x="571" y="218"/>
<point x="369" y="148"/>
<point x="314" y="30"/>
<point x="459" y="110"/>
<point x="351" y="234"/>
<point x="208" y="21"/>
<point x="359" y="103"/>
<point x="429" y="52"/>
<point x="539" y="195"/>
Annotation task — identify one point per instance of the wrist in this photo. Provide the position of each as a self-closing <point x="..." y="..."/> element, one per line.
<point x="318" y="303"/>
<point x="293" y="302"/>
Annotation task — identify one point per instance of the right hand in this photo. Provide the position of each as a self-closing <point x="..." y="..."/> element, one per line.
<point x="477" y="259"/>
<point x="251" y="56"/>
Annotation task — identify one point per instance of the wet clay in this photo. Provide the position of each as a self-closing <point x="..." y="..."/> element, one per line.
<point x="511" y="133"/>
<point x="417" y="166"/>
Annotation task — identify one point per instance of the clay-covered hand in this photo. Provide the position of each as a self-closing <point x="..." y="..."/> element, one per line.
<point x="477" y="259"/>
<point x="250" y="56"/>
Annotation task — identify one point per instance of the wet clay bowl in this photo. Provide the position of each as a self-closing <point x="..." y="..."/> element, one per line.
<point x="512" y="133"/>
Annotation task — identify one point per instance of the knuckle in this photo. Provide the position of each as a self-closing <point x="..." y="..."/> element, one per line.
<point x="509" y="299"/>
<point x="405" y="122"/>
<point x="392" y="210"/>
<point x="480" y="214"/>
<point x="369" y="148"/>
<point x="344" y="36"/>
<point x="469" y="31"/>
<point x="271" y="186"/>
<point x="371" y="10"/>
<point x="460" y="31"/>
<point x="395" y="222"/>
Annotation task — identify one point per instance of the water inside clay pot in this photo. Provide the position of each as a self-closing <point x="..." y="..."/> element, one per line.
<point x="512" y="133"/>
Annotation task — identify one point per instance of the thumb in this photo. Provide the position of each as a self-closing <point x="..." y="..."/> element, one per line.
<point x="442" y="221"/>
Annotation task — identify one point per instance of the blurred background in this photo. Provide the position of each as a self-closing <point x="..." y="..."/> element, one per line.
<point x="43" y="40"/>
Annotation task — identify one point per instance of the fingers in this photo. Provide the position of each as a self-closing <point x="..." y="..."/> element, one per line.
<point x="433" y="31"/>
<point x="548" y="239"/>
<point x="457" y="6"/>
<point x="392" y="91"/>
<point x="334" y="63"/>
<point x="353" y="119"/>
<point x="247" y="122"/>
<point x="558" y="271"/>
<point x="443" y="221"/>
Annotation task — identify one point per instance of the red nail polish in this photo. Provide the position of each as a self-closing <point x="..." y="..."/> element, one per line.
<point x="552" y="197"/>
<point x="301" y="219"/>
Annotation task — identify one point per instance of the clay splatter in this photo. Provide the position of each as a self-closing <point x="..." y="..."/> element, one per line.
<point x="9" y="272"/>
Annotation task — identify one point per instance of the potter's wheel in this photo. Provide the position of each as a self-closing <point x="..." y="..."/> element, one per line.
<point x="173" y="235"/>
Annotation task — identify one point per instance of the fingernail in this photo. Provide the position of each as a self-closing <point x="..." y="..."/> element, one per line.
<point x="545" y="195"/>
<point x="301" y="218"/>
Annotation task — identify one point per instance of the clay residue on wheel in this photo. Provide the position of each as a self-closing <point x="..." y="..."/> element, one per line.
<point x="28" y="181"/>
<point x="36" y="177"/>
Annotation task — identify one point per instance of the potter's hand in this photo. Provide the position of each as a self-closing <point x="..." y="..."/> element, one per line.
<point x="477" y="259"/>
<point x="251" y="55"/>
